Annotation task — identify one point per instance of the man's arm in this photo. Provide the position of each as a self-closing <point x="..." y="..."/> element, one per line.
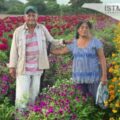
<point x="13" y="56"/>
<point x="49" y="38"/>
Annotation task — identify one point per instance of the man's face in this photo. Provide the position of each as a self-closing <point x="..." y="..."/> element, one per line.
<point x="31" y="18"/>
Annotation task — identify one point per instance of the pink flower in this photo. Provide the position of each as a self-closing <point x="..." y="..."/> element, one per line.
<point x="4" y="40"/>
<point x="3" y="47"/>
<point x="84" y="98"/>
<point x="36" y="109"/>
<point x="5" y="78"/>
<point x="50" y="110"/>
<point x="77" y="99"/>
<point x="1" y="34"/>
<point x="61" y="111"/>
<point x="10" y="35"/>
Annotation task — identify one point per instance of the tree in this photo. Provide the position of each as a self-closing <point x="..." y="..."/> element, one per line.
<point x="2" y="5"/>
<point x="52" y="7"/>
<point x="76" y="5"/>
<point x="15" y="7"/>
<point x="81" y="2"/>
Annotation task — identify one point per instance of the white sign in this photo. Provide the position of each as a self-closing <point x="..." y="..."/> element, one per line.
<point x="110" y="9"/>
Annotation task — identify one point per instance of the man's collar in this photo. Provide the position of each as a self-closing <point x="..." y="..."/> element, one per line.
<point x="26" y="27"/>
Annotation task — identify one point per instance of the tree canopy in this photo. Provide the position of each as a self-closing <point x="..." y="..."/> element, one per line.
<point x="45" y="7"/>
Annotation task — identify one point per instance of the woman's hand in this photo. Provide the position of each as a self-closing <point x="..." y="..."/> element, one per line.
<point x="65" y="42"/>
<point x="104" y="80"/>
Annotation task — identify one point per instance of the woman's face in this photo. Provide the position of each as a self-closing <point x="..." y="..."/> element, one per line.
<point x="84" y="30"/>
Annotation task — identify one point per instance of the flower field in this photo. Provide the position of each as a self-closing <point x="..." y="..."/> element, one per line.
<point x="60" y="99"/>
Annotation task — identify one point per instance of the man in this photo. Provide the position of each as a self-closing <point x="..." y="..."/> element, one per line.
<point x="28" y="57"/>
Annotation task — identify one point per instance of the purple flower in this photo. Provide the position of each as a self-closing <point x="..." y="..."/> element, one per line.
<point x="61" y="111"/>
<point x="74" y="117"/>
<point x="36" y="109"/>
<point x="77" y="99"/>
<point x="63" y="94"/>
<point x="5" y="78"/>
<point x="3" y="91"/>
<point x="50" y="110"/>
<point x="42" y="104"/>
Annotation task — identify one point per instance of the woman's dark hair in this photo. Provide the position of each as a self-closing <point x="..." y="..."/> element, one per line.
<point x="78" y="26"/>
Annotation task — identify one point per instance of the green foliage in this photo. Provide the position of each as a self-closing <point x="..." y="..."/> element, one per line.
<point x="76" y="6"/>
<point x="82" y="109"/>
<point x="60" y="66"/>
<point x="52" y="7"/>
<point x="2" y="5"/>
<point x="16" y="9"/>
<point x="67" y="35"/>
<point x="3" y="56"/>
<point x="45" y="7"/>
<point x="6" y="110"/>
<point x="14" y="6"/>
<point x="33" y="116"/>
<point x="106" y="35"/>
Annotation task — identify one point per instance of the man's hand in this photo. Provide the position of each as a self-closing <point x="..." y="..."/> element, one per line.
<point x="12" y="72"/>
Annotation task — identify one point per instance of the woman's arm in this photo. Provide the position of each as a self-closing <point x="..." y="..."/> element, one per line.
<point x="103" y="65"/>
<point x="60" y="51"/>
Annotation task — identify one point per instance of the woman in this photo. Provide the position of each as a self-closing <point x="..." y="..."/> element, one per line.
<point x="89" y="63"/>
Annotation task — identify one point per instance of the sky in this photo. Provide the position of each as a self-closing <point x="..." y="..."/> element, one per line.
<point x="66" y="1"/>
<point x="59" y="1"/>
<point x="111" y="1"/>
